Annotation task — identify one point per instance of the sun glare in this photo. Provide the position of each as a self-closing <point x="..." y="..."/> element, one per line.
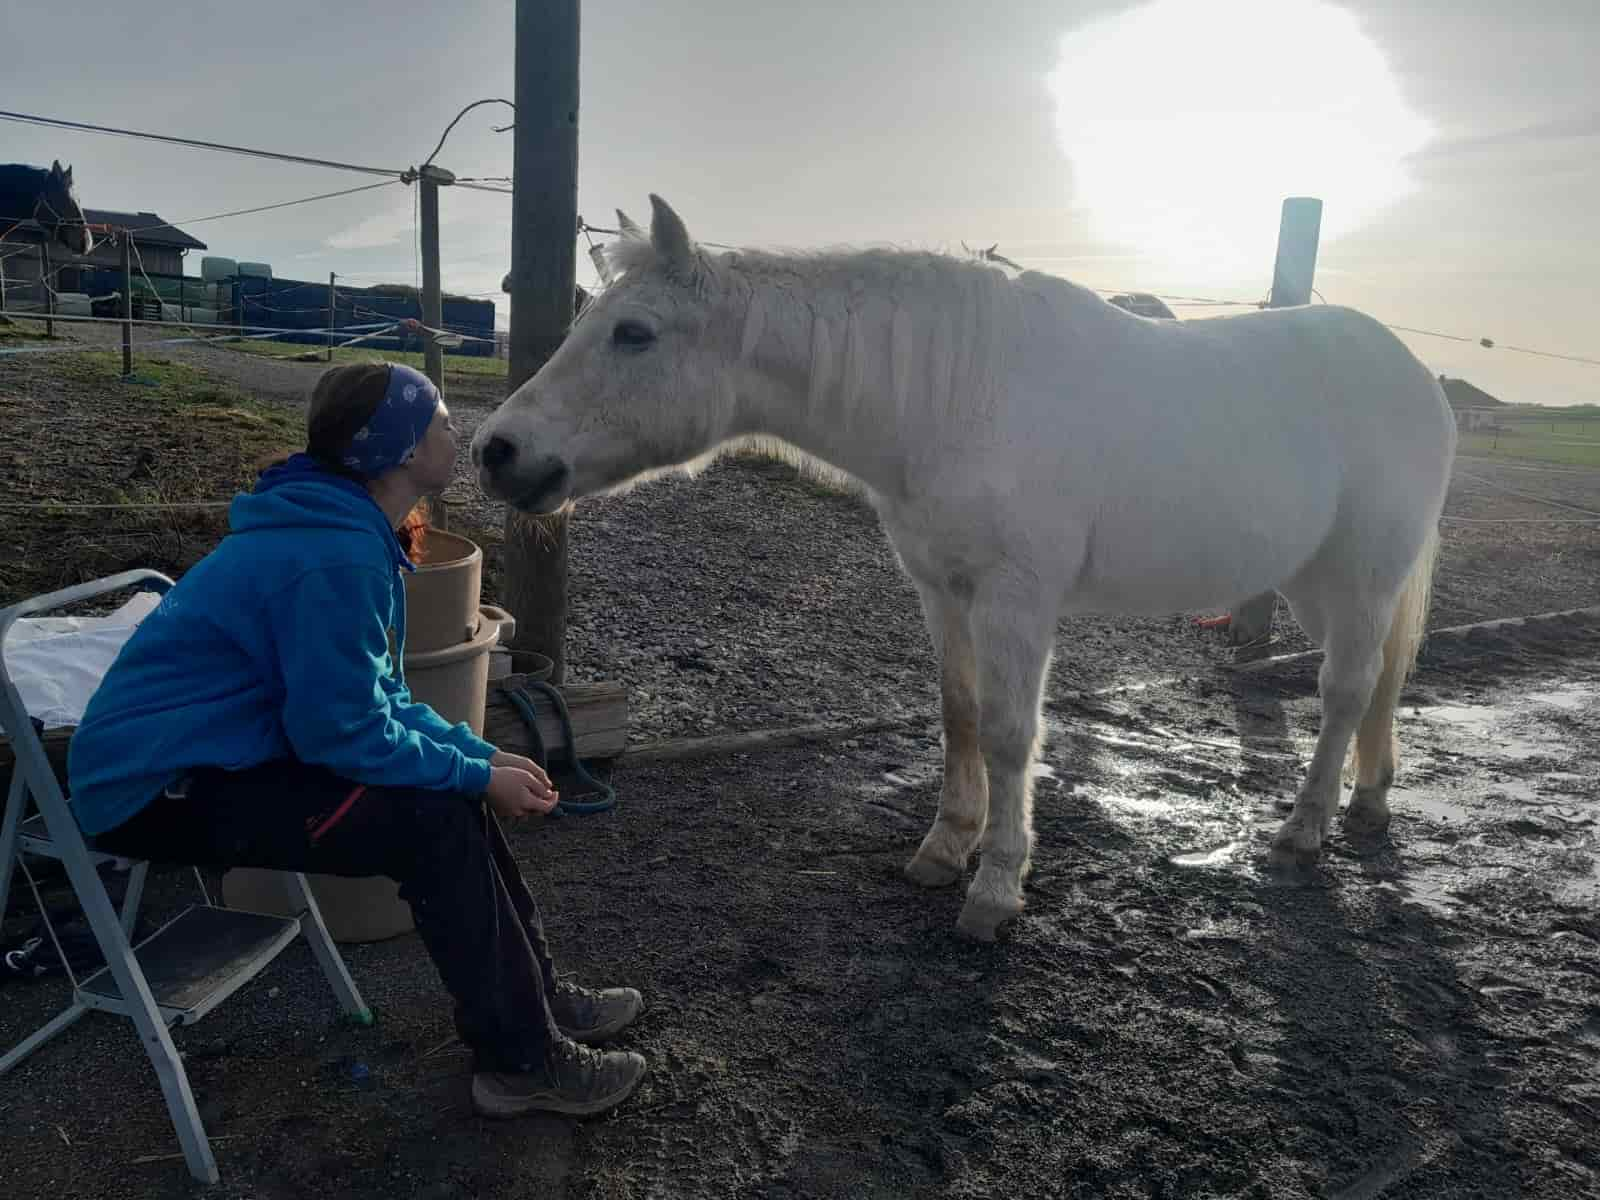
<point x="1188" y="121"/>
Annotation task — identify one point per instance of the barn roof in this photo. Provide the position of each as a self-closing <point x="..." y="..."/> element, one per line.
<point x="149" y="229"/>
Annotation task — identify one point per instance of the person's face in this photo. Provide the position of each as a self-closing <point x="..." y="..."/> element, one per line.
<point x="434" y="464"/>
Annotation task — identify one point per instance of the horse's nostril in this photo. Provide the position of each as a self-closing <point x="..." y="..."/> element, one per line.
<point x="497" y="452"/>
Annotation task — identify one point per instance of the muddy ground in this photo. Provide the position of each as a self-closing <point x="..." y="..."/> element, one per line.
<point x="1417" y="1018"/>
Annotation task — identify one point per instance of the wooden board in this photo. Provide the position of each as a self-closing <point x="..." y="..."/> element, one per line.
<point x="599" y="713"/>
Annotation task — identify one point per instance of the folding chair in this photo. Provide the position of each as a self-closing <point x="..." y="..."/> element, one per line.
<point x="185" y="968"/>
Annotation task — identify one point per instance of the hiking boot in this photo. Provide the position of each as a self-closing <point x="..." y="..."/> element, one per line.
<point x="591" y="1014"/>
<point x="573" y="1080"/>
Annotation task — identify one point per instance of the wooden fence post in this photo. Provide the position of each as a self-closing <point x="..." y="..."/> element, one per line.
<point x="1299" y="228"/>
<point x="44" y="285"/>
<point x="127" y="303"/>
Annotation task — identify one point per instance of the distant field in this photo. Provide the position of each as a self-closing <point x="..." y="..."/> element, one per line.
<point x="1573" y="442"/>
<point x="454" y="364"/>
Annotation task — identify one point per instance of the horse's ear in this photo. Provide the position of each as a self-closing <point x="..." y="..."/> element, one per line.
<point x="629" y="227"/>
<point x="669" y="236"/>
<point x="55" y="168"/>
<point x="66" y="175"/>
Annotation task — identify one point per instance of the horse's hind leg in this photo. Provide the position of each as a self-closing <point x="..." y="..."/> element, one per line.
<point x="964" y="800"/>
<point x="1368" y="813"/>
<point x="1016" y="639"/>
<point x="1351" y="668"/>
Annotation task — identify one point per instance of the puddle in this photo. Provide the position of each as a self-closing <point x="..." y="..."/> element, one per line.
<point x="1207" y="858"/>
<point x="1484" y="722"/>
<point x="1431" y="894"/>
<point x="1144" y="806"/>
<point x="1574" y="697"/>
<point x="1432" y="804"/>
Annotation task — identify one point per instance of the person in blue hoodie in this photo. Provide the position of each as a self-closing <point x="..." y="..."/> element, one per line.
<point x="259" y="717"/>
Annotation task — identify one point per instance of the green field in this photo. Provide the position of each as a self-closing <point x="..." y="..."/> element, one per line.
<point x="454" y="364"/>
<point x="1572" y="439"/>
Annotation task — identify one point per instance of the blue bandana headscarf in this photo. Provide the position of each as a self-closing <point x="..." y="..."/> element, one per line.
<point x="391" y="437"/>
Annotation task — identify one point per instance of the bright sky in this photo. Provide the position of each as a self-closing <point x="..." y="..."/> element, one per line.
<point x="1128" y="144"/>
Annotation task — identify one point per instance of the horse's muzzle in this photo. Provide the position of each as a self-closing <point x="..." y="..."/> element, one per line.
<point x="546" y="493"/>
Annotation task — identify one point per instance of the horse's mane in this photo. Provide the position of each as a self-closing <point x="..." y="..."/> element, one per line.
<point x="940" y="328"/>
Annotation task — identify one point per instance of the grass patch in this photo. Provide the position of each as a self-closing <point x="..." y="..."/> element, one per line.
<point x="149" y="446"/>
<point x="1574" y="448"/>
<point x="161" y="384"/>
<point x="12" y="334"/>
<point x="454" y="364"/>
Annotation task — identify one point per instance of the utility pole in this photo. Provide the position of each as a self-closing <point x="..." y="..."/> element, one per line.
<point x="1299" y="229"/>
<point x="429" y="179"/>
<point x="333" y="311"/>
<point x="544" y="238"/>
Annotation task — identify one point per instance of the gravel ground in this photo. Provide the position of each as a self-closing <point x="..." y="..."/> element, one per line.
<point x="1416" y="1018"/>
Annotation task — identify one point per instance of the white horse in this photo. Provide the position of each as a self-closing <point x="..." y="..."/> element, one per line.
<point x="1032" y="451"/>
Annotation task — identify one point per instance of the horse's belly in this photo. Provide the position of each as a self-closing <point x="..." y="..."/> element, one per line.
<point x="1210" y="555"/>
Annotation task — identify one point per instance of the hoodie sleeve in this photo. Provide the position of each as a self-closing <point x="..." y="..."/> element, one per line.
<point x="332" y="647"/>
<point x="425" y="720"/>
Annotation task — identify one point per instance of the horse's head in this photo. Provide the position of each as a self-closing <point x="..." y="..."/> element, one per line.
<point x="641" y="383"/>
<point x="59" y="212"/>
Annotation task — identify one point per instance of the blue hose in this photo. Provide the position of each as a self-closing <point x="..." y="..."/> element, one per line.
<point x="523" y="703"/>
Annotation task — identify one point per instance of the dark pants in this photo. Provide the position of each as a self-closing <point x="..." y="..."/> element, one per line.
<point x="472" y="909"/>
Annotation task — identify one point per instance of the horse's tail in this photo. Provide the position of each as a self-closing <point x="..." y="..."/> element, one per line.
<point x="1406" y="632"/>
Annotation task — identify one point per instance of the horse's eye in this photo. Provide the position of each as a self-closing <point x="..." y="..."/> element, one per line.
<point x="632" y="335"/>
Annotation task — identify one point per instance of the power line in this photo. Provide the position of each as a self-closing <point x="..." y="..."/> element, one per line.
<point x="241" y="212"/>
<point x="1490" y="344"/>
<point x="61" y="123"/>
<point x="458" y="116"/>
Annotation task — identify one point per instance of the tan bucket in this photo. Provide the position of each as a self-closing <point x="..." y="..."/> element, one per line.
<point x="454" y="682"/>
<point x="442" y="593"/>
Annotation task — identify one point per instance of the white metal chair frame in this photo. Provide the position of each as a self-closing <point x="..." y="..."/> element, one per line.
<point x="203" y="955"/>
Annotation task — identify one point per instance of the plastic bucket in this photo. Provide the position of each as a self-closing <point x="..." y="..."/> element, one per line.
<point x="454" y="681"/>
<point x="442" y="594"/>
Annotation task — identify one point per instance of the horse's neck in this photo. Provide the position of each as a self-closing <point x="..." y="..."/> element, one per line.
<point x="20" y="188"/>
<point x="858" y="367"/>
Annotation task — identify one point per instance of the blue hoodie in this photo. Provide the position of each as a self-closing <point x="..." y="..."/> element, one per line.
<point x="274" y="645"/>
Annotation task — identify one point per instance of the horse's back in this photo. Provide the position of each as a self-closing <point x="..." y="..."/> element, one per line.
<point x="1214" y="457"/>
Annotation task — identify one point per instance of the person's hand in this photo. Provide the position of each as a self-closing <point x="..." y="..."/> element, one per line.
<point x="503" y="759"/>
<point x="514" y="793"/>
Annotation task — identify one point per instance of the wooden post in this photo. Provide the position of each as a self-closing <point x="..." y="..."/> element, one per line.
<point x="1299" y="229"/>
<point x="3" y="257"/>
<point x="544" y="247"/>
<point x="333" y="312"/>
<point x="127" y="303"/>
<point x="432" y="303"/>
<point x="49" y="292"/>
<point x="429" y="179"/>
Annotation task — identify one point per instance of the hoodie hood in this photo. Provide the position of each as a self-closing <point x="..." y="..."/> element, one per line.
<point x="302" y="494"/>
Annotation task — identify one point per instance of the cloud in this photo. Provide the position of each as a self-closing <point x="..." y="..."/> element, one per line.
<point x="1582" y="125"/>
<point x="380" y="229"/>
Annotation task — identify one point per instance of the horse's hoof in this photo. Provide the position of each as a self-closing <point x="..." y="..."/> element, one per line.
<point x="982" y="922"/>
<point x="1368" y="814"/>
<point x="1298" y="843"/>
<point x="931" y="873"/>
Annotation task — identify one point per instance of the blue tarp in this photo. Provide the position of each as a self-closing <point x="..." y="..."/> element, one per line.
<point x="295" y="304"/>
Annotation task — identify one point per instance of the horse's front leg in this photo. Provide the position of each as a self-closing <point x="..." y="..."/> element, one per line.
<point x="964" y="801"/>
<point x="1017" y="641"/>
